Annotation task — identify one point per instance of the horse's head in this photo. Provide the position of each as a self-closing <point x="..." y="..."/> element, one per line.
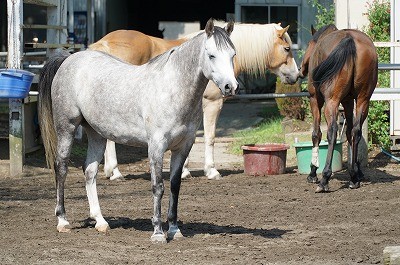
<point x="316" y="35"/>
<point x="218" y="58"/>
<point x="282" y="62"/>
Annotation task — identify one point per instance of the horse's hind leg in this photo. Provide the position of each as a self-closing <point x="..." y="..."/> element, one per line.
<point x="331" y="110"/>
<point x="64" y="146"/>
<point x="316" y="138"/>
<point x="96" y="147"/>
<point x="177" y="160"/>
<point x="110" y="162"/>
<point x="211" y="110"/>
<point x="356" y="174"/>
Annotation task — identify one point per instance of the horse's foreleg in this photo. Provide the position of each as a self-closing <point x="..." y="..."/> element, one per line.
<point x="316" y="139"/>
<point x="61" y="170"/>
<point x="96" y="147"/>
<point x="110" y="162"/>
<point x="331" y="110"/>
<point x="178" y="158"/>
<point x="211" y="110"/>
<point x="156" y="154"/>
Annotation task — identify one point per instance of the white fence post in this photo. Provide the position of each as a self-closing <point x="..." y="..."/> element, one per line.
<point x="16" y="106"/>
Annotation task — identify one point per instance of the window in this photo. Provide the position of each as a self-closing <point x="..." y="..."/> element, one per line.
<point x="286" y="15"/>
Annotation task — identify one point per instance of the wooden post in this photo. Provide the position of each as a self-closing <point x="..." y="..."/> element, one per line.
<point x="16" y="106"/>
<point x="57" y="15"/>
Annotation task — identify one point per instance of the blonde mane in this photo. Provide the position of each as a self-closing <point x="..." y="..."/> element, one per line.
<point x="254" y="44"/>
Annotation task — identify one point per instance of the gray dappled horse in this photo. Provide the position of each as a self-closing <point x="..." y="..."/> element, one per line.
<point x="157" y="105"/>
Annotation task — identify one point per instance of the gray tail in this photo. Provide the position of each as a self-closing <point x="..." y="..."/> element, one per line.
<point x="45" y="107"/>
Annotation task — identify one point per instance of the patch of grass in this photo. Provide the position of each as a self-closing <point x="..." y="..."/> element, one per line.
<point x="268" y="131"/>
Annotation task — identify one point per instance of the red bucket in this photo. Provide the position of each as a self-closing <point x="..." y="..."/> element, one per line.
<point x="264" y="159"/>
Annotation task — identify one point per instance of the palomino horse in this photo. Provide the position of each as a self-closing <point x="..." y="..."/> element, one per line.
<point x="259" y="47"/>
<point x="342" y="67"/>
<point x="157" y="105"/>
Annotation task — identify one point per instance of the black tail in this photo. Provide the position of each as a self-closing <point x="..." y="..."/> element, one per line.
<point x="344" y="52"/>
<point x="45" y="107"/>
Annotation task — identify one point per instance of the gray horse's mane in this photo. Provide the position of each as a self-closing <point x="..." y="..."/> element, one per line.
<point x="221" y="38"/>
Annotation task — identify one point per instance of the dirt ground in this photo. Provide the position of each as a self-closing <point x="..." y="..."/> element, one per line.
<point x="239" y="219"/>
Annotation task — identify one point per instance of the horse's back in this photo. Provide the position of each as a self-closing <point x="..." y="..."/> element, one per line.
<point x="161" y="45"/>
<point x="92" y="70"/>
<point x="129" y="45"/>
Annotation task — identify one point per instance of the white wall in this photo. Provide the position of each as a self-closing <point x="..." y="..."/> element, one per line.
<point x="176" y="30"/>
<point x="351" y="14"/>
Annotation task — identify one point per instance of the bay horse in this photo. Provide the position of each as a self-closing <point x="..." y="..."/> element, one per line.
<point x="259" y="47"/>
<point x="157" y="104"/>
<point x="342" y="67"/>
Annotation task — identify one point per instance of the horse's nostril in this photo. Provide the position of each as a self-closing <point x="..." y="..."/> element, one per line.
<point x="228" y="88"/>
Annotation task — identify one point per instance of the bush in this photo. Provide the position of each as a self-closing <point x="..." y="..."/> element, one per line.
<point x="379" y="30"/>
<point x="292" y="108"/>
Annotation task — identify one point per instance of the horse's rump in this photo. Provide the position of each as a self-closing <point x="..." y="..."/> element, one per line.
<point x="344" y="52"/>
<point x="45" y="107"/>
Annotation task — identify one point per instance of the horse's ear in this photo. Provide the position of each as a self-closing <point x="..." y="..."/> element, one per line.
<point x="313" y="30"/>
<point x="282" y="31"/>
<point x="209" y="27"/>
<point x="229" y="27"/>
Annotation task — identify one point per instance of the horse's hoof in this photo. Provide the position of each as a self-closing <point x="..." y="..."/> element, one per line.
<point x="116" y="174"/>
<point x="312" y="179"/>
<point x="186" y="174"/>
<point x="353" y="185"/>
<point x="321" y="188"/>
<point x="63" y="229"/>
<point x="174" y="234"/>
<point x="116" y="177"/>
<point x="104" y="228"/>
<point x="213" y="174"/>
<point x="158" y="238"/>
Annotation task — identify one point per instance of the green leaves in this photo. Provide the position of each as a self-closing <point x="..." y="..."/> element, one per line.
<point x="379" y="30"/>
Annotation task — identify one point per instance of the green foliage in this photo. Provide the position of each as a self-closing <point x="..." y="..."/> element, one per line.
<point x="292" y="108"/>
<point x="325" y="15"/>
<point x="378" y="124"/>
<point x="379" y="30"/>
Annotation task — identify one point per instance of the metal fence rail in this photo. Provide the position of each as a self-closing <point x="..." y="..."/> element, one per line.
<point x="379" y="93"/>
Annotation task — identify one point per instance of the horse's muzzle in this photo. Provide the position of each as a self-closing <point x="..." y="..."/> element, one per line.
<point x="231" y="89"/>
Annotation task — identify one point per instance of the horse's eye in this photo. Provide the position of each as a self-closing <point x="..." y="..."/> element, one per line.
<point x="211" y="57"/>
<point x="287" y="49"/>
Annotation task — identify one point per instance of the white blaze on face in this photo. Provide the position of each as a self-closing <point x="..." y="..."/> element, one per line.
<point x="314" y="158"/>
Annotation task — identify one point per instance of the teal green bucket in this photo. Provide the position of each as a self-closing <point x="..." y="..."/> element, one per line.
<point x="304" y="153"/>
